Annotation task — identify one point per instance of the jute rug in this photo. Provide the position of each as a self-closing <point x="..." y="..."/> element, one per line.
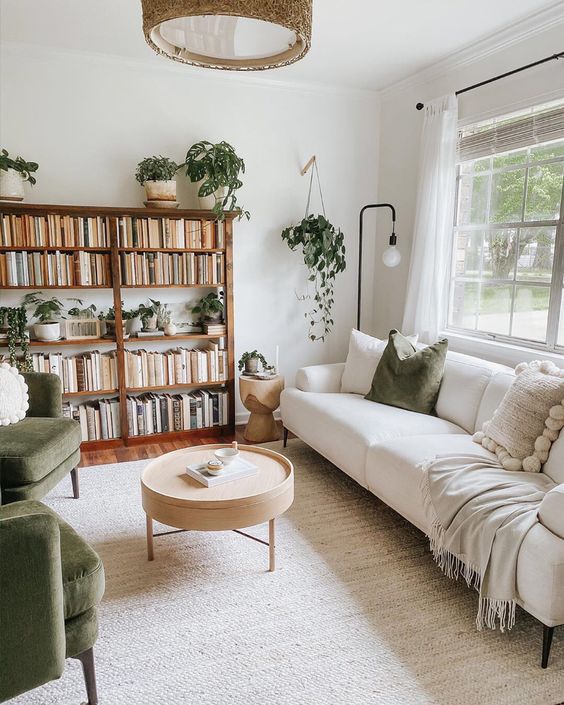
<point x="357" y="613"/>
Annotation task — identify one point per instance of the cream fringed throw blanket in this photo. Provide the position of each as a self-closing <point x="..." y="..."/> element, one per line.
<point x="479" y="514"/>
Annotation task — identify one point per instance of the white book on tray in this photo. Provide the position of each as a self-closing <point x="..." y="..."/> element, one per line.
<point x="236" y="470"/>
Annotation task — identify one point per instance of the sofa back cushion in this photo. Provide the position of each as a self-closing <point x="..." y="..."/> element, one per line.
<point x="554" y="466"/>
<point x="465" y="381"/>
<point x="493" y="396"/>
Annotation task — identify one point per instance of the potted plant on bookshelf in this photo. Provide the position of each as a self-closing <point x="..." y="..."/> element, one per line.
<point x="250" y="360"/>
<point x="82" y="324"/>
<point x="109" y="318"/>
<point x="149" y="315"/>
<point x="13" y="329"/>
<point x="210" y="308"/>
<point x="13" y="174"/>
<point x="156" y="174"/>
<point x="46" y="311"/>
<point x="217" y="169"/>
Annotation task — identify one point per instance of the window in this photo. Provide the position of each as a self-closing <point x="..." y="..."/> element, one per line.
<point x="508" y="253"/>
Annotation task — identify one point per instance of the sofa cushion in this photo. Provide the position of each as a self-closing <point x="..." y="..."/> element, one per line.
<point x="493" y="396"/>
<point x="551" y="511"/>
<point x="83" y="572"/>
<point x="554" y="466"/>
<point x="394" y="475"/>
<point x="342" y="426"/>
<point x="34" y="447"/>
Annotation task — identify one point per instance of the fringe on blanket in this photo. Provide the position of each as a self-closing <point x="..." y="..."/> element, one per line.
<point x="490" y="611"/>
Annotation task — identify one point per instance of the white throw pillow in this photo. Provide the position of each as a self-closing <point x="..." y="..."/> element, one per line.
<point x="13" y="395"/>
<point x="551" y="511"/>
<point x="529" y="418"/>
<point x="363" y="357"/>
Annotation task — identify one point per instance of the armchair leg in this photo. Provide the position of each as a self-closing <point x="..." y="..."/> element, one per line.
<point x="74" y="479"/>
<point x="86" y="658"/>
<point x="285" y="437"/>
<point x="547" y="633"/>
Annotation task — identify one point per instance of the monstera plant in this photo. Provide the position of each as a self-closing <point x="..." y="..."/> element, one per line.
<point x="323" y="250"/>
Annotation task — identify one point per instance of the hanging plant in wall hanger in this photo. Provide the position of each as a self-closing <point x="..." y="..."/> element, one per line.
<point x="323" y="251"/>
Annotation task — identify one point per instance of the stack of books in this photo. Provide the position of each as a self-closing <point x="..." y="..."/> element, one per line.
<point x="215" y="328"/>
<point x="90" y="372"/>
<point x="54" y="269"/>
<point x="158" y="413"/>
<point x="170" y="233"/>
<point x="99" y="420"/>
<point x="162" y="268"/>
<point x="53" y="231"/>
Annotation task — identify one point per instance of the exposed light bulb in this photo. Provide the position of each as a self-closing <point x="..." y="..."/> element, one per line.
<point x="391" y="256"/>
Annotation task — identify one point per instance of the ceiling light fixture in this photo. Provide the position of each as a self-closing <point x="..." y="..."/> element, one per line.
<point x="241" y="35"/>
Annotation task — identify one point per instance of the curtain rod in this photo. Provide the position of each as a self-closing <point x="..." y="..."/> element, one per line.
<point x="560" y="55"/>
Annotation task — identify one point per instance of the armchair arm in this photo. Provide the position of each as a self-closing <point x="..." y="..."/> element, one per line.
<point x="45" y="394"/>
<point x="320" y="378"/>
<point x="551" y="510"/>
<point x="32" y="624"/>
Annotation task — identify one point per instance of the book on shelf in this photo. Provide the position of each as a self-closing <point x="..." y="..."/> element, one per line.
<point x="55" y="269"/>
<point x="99" y="420"/>
<point x="170" y="233"/>
<point x="215" y="328"/>
<point x="53" y="231"/>
<point x="88" y="372"/>
<point x="236" y="470"/>
<point x="152" y="413"/>
<point x="178" y="366"/>
<point x="165" y="268"/>
<point x="150" y="333"/>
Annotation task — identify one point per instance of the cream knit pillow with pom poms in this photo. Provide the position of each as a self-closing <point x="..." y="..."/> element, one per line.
<point x="13" y="395"/>
<point x="528" y="419"/>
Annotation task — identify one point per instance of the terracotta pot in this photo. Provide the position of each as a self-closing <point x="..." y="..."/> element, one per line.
<point x="11" y="185"/>
<point x="160" y="190"/>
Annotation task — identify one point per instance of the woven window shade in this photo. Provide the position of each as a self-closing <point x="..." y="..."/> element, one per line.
<point x="475" y="143"/>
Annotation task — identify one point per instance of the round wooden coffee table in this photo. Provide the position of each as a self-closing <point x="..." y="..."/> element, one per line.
<point x="173" y="498"/>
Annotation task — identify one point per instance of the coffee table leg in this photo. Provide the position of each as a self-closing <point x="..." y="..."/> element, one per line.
<point x="271" y="546"/>
<point x="150" y="554"/>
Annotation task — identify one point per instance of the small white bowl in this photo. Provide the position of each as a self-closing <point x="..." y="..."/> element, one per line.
<point x="226" y="455"/>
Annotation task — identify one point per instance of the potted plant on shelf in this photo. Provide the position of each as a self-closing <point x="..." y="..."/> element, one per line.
<point x="249" y="362"/>
<point x="109" y="319"/>
<point x="323" y="251"/>
<point x="46" y="311"/>
<point x="150" y="315"/>
<point x="13" y="174"/>
<point x="156" y="174"/>
<point x="13" y="328"/>
<point x="210" y="308"/>
<point x="217" y="169"/>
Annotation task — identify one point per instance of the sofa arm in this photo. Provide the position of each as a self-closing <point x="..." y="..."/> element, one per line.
<point x="551" y="511"/>
<point x="320" y="378"/>
<point x="32" y="624"/>
<point x="45" y="394"/>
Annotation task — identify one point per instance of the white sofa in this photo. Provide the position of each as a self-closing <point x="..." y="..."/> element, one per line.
<point x="381" y="447"/>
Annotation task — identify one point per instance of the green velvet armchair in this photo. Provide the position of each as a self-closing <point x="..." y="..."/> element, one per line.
<point x="38" y="451"/>
<point x="50" y="585"/>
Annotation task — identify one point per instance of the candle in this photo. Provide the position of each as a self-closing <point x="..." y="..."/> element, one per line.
<point x="276" y="369"/>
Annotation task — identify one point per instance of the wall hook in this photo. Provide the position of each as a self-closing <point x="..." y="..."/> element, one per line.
<point x="308" y="166"/>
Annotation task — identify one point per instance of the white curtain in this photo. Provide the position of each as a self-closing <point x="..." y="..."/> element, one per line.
<point x="429" y="267"/>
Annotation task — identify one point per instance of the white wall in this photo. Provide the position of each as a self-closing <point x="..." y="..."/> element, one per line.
<point x="400" y="128"/>
<point x="88" y="119"/>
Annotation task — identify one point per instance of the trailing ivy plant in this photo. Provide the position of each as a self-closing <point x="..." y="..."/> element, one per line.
<point x="219" y="167"/>
<point x="15" y="318"/>
<point x="324" y="255"/>
<point x="156" y="169"/>
<point x="25" y="169"/>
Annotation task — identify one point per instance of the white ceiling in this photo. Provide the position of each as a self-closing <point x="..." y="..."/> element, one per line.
<point x="358" y="43"/>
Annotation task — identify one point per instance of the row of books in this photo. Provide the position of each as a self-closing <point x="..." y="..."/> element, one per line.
<point x="167" y="268"/>
<point x="54" y="269"/>
<point x="179" y="366"/>
<point x="158" y="413"/>
<point x="99" y="420"/>
<point x="89" y="372"/>
<point x="179" y="233"/>
<point x="53" y="231"/>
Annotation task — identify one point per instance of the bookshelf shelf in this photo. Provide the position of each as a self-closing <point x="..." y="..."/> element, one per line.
<point x="111" y="227"/>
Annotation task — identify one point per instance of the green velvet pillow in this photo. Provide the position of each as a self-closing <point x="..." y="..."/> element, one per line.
<point x="407" y="377"/>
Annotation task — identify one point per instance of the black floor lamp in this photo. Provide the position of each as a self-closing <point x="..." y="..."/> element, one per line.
<point x="391" y="256"/>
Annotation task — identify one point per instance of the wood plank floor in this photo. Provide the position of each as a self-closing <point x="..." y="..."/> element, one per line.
<point x="152" y="450"/>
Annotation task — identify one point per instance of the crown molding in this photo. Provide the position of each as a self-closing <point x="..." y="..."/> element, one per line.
<point x="520" y="30"/>
<point x="160" y="65"/>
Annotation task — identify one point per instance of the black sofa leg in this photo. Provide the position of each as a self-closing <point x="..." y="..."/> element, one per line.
<point x="74" y="479"/>
<point x="285" y="437"/>
<point x="547" y="633"/>
<point x="86" y="658"/>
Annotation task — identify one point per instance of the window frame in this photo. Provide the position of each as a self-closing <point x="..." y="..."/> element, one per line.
<point x="556" y="286"/>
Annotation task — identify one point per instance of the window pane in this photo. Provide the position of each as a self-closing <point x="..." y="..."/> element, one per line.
<point x="536" y="253"/>
<point x="507" y="196"/>
<point x="464" y="305"/>
<point x="500" y="249"/>
<point x="547" y="151"/>
<point x="560" y="337"/>
<point x="503" y="160"/>
<point x="530" y="313"/>
<point x="495" y="308"/>
<point x="544" y="192"/>
<point x="473" y="199"/>
<point x="468" y="254"/>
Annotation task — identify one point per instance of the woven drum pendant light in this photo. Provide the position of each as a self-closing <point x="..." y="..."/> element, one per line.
<point x="242" y="35"/>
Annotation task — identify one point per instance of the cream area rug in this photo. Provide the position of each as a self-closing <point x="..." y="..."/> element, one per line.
<point x="356" y="614"/>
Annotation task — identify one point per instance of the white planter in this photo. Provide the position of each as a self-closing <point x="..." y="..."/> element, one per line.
<point x="11" y="185"/>
<point x="47" y="331"/>
<point x="160" y="190"/>
<point x="208" y="202"/>
<point x="170" y="329"/>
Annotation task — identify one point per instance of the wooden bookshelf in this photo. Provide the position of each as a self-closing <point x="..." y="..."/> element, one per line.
<point x="111" y="217"/>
